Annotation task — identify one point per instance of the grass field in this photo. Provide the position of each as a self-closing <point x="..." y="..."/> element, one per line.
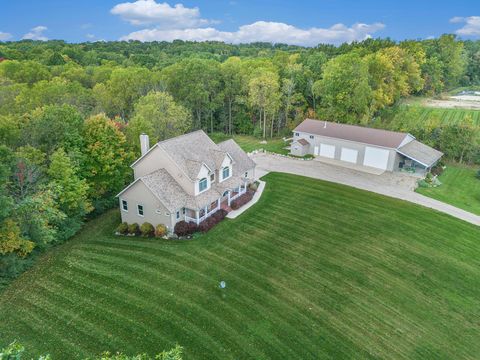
<point x="459" y="187"/>
<point x="314" y="270"/>
<point x="249" y="143"/>
<point x="450" y="116"/>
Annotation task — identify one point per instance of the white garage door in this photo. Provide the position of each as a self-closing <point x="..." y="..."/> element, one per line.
<point x="349" y="155"/>
<point x="327" y="151"/>
<point x="377" y="158"/>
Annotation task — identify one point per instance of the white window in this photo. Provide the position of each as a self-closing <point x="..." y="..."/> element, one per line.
<point x="202" y="185"/>
<point x="124" y="205"/>
<point x="311" y="136"/>
<point x="246" y="174"/>
<point x="140" y="210"/>
<point x="225" y="172"/>
<point x="178" y="214"/>
<point x="183" y="211"/>
<point x="297" y="134"/>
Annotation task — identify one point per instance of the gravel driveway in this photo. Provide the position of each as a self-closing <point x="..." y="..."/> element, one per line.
<point x="395" y="185"/>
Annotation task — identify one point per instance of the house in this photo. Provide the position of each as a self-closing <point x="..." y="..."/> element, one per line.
<point x="188" y="178"/>
<point x="374" y="148"/>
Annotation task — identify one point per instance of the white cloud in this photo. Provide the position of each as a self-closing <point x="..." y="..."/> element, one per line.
<point x="471" y="25"/>
<point x="4" y="36"/>
<point x="90" y="36"/>
<point x="265" y="31"/>
<point x="36" y="34"/>
<point x="164" y="16"/>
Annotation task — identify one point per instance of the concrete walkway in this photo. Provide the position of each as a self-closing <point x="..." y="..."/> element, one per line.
<point x="397" y="185"/>
<point x="234" y="213"/>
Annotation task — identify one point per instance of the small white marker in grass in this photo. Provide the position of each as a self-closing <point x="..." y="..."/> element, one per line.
<point x="222" y="285"/>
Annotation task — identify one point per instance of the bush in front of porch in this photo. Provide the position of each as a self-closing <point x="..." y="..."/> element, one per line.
<point x="242" y="200"/>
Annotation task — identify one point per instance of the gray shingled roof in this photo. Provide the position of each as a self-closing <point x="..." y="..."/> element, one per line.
<point x="241" y="160"/>
<point x="385" y="138"/>
<point x="189" y="151"/>
<point x="421" y="153"/>
<point x="172" y="195"/>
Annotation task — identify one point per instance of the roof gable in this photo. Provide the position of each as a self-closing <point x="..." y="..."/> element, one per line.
<point x="378" y="137"/>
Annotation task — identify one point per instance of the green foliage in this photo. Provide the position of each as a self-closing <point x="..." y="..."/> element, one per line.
<point x="123" y="228"/>
<point x="133" y="229"/>
<point x="147" y="229"/>
<point x="54" y="126"/>
<point x="11" y="240"/>
<point x="106" y="166"/>
<point x="71" y="191"/>
<point x="15" y="351"/>
<point x="157" y="115"/>
<point x="39" y="217"/>
<point x="345" y="92"/>
<point x="28" y="72"/>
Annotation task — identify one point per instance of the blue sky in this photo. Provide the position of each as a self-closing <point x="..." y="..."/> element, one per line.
<point x="295" y="22"/>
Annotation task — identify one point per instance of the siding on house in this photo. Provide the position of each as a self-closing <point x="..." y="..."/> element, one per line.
<point x="154" y="211"/>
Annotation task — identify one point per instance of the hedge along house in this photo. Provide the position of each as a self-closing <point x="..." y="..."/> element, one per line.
<point x="374" y="148"/>
<point x="188" y="177"/>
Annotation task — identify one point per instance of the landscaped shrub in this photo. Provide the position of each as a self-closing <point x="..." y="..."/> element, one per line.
<point x="134" y="229"/>
<point x="207" y="224"/>
<point x="242" y="200"/>
<point x="160" y="230"/>
<point x="220" y="215"/>
<point x="181" y="228"/>
<point x="147" y="229"/>
<point x="123" y="228"/>
<point x="192" y="227"/>
<point x="437" y="170"/>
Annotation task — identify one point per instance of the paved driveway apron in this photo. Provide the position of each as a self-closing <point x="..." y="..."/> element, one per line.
<point x="395" y="185"/>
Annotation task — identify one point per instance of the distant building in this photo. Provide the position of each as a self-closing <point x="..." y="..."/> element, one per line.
<point x="358" y="145"/>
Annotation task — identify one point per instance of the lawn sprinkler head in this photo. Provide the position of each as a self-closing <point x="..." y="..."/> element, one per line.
<point x="222" y="285"/>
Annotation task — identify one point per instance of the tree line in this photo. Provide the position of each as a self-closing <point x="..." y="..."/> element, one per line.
<point x="71" y="114"/>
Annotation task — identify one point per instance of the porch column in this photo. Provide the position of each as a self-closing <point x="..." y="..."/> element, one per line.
<point x="206" y="211"/>
<point x="196" y="217"/>
<point x="218" y="203"/>
<point x="228" y="198"/>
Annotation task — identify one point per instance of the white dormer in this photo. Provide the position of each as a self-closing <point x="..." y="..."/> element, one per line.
<point x="203" y="181"/>
<point x="225" y="170"/>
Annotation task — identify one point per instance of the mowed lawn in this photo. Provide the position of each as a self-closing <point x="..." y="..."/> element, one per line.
<point x="314" y="270"/>
<point x="249" y="143"/>
<point x="459" y="187"/>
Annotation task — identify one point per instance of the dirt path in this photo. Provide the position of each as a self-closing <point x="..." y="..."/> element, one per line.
<point x="395" y="185"/>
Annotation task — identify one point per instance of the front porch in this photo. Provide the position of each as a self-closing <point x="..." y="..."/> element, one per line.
<point x="199" y="215"/>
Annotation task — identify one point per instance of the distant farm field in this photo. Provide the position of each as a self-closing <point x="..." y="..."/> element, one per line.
<point x="450" y="116"/>
<point x="314" y="270"/>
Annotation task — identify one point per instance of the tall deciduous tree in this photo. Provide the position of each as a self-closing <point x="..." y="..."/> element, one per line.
<point x="106" y="166"/>
<point x="158" y="115"/>
<point x="234" y="88"/>
<point x="345" y="92"/>
<point x="264" y="94"/>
